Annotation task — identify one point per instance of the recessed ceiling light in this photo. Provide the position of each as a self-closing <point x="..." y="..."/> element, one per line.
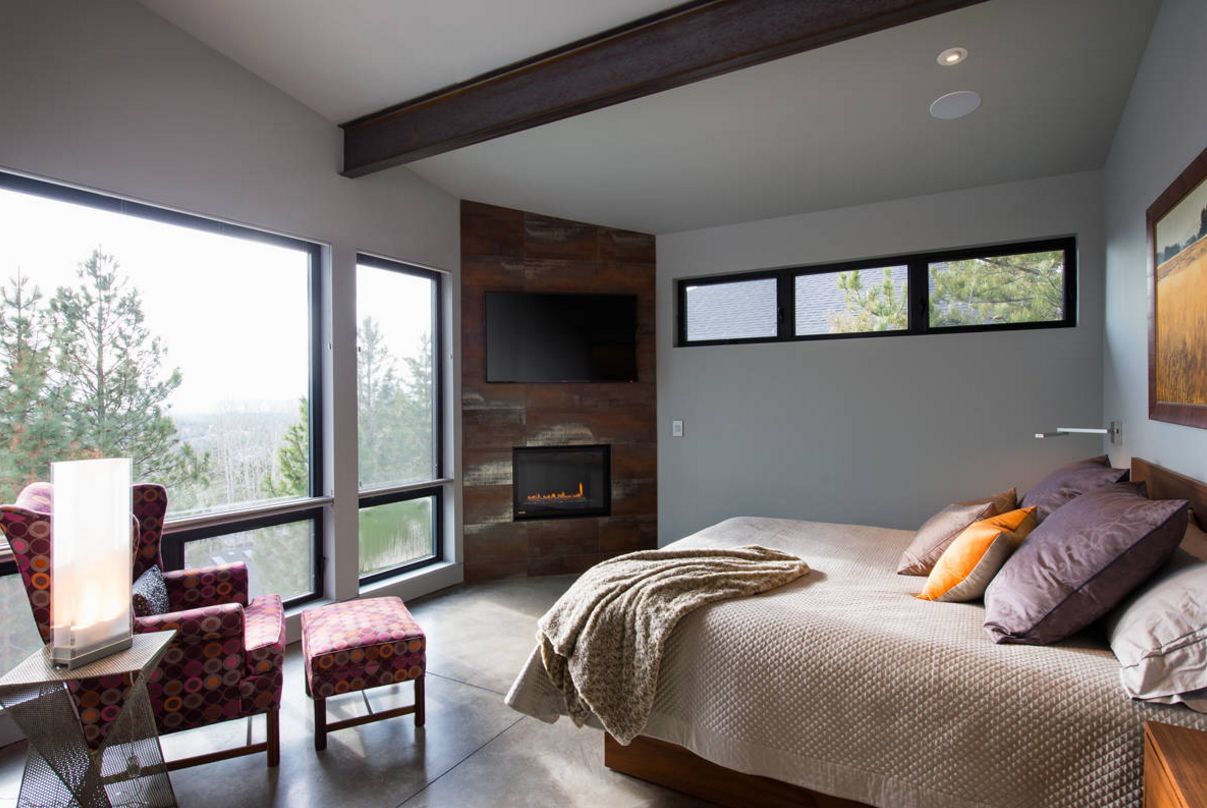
<point x="952" y="56"/>
<point x="955" y="105"/>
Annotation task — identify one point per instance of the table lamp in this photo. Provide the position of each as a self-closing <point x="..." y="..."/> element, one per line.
<point x="91" y="565"/>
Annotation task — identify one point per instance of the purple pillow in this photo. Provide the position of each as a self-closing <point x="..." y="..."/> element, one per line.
<point x="1080" y="563"/>
<point x="1069" y="482"/>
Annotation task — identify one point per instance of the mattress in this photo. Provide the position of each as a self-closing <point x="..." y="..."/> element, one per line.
<point x="845" y="684"/>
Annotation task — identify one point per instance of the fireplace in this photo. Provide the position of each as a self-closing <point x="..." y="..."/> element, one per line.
<point x="556" y="482"/>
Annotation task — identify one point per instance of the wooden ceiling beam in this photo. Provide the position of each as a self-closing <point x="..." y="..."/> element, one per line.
<point x="685" y="44"/>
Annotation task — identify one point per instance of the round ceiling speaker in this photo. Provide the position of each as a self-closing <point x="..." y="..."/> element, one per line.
<point x="955" y="105"/>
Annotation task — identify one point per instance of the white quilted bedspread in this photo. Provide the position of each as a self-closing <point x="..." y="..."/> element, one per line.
<point x="843" y="683"/>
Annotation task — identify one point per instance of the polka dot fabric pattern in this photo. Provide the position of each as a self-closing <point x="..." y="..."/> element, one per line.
<point x="264" y="635"/>
<point x="228" y="657"/>
<point x="150" y="505"/>
<point x="98" y="703"/>
<point x="26" y="525"/>
<point x="226" y="662"/>
<point x="361" y="644"/>
<point x="205" y="586"/>
<point x="264" y="655"/>
<point x="28" y="534"/>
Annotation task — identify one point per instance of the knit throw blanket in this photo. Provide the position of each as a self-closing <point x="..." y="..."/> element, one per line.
<point x="602" y="642"/>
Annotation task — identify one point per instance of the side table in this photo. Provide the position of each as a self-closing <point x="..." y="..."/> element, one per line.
<point x="60" y="770"/>
<point x="1175" y="774"/>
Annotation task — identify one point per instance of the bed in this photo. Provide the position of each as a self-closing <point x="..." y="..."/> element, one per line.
<point x="842" y="689"/>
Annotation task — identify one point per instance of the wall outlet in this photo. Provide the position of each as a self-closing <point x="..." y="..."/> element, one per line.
<point x="676" y="429"/>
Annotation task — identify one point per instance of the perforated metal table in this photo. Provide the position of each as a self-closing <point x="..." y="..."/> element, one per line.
<point x="60" y="769"/>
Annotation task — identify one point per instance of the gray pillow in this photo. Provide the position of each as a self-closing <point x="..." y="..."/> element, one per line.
<point x="1080" y="563"/>
<point x="1159" y="636"/>
<point x="937" y="534"/>
<point x="1069" y="482"/>
<point x="150" y="593"/>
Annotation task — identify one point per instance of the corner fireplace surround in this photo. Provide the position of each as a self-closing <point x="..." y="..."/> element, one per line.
<point x="560" y="482"/>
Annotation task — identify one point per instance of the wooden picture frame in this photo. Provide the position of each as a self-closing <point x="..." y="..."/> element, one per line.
<point x="1177" y="273"/>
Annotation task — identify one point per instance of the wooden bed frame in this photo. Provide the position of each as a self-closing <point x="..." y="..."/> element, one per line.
<point x="682" y="770"/>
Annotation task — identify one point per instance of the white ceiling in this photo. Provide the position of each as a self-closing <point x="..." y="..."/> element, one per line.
<point x="348" y="58"/>
<point x="843" y="125"/>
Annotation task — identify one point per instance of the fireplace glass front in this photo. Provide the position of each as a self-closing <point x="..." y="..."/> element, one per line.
<point x="553" y="482"/>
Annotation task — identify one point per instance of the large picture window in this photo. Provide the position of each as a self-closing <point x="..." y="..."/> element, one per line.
<point x="186" y="344"/>
<point x="1027" y="285"/>
<point x="399" y="416"/>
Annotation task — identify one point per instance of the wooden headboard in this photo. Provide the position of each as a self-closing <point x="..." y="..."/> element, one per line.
<point x="1165" y="484"/>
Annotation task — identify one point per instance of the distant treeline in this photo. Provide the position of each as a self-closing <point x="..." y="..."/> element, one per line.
<point x="1173" y="249"/>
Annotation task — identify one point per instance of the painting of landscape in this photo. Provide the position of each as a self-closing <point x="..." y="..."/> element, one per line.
<point x="1180" y="359"/>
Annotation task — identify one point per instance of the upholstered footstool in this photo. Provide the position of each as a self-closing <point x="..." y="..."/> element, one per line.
<point x="358" y="645"/>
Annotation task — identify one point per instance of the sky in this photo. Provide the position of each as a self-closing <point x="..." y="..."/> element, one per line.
<point x="1184" y="220"/>
<point x="233" y="313"/>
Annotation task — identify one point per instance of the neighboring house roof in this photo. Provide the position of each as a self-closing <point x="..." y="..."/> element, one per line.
<point x="745" y="309"/>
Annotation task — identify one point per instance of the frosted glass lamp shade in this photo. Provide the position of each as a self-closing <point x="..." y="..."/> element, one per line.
<point x="91" y="565"/>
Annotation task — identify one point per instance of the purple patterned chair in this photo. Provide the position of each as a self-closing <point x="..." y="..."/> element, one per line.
<point x="356" y="645"/>
<point x="227" y="660"/>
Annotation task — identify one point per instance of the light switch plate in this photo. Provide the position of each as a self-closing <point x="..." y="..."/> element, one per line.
<point x="676" y="429"/>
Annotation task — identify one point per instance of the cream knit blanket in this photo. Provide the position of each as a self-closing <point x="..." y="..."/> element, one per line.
<point x="602" y="642"/>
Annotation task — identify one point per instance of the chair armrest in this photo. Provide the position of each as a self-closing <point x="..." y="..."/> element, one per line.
<point x="209" y="623"/>
<point x="264" y="635"/>
<point x="207" y="586"/>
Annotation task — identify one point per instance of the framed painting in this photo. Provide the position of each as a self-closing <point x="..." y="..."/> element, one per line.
<point x="1177" y="318"/>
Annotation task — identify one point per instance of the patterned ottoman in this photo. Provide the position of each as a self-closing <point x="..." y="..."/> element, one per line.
<point x="357" y="645"/>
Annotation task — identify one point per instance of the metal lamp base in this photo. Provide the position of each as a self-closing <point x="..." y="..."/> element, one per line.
<point x="71" y="658"/>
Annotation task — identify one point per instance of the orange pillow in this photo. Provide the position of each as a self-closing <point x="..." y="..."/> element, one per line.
<point x="969" y="563"/>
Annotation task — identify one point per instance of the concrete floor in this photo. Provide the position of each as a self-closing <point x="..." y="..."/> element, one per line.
<point x="474" y="751"/>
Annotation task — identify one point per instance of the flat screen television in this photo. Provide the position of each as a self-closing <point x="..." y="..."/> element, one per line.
<point x="533" y="337"/>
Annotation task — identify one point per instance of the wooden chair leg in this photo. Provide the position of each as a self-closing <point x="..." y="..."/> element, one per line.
<point x="419" y="714"/>
<point x="274" y="738"/>
<point x="320" y="724"/>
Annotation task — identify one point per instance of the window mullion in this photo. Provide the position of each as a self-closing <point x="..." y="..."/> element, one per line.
<point x="919" y="295"/>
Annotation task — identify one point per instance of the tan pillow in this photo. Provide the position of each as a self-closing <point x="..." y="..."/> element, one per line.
<point x="1003" y="501"/>
<point x="940" y="531"/>
<point x="969" y="563"/>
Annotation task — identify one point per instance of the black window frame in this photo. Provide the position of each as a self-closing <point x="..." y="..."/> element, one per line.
<point x="371" y="500"/>
<point x="386" y="494"/>
<point x="918" y="291"/>
<point x="251" y="515"/>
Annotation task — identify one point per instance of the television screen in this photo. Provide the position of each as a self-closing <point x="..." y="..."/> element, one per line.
<point x="560" y="338"/>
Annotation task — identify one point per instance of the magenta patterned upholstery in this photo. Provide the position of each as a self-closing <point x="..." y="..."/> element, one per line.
<point x="205" y="586"/>
<point x="228" y="657"/>
<point x="28" y="534"/>
<point x="149" y="504"/>
<point x="361" y="644"/>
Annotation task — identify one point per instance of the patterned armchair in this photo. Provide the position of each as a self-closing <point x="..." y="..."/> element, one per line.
<point x="227" y="660"/>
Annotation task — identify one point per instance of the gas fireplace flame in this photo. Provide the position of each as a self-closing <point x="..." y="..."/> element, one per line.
<point x="557" y="496"/>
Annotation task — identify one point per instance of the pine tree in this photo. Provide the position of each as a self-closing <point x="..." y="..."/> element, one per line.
<point x="417" y="413"/>
<point x="378" y="402"/>
<point x="880" y="307"/>
<point x="293" y="459"/>
<point x="1005" y="289"/>
<point x="31" y="429"/>
<point x="108" y="371"/>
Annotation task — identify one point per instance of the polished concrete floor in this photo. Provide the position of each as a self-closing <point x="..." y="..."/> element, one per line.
<point x="475" y="751"/>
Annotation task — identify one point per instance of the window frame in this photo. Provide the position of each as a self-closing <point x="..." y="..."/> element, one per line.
<point x="918" y="292"/>
<point x="390" y="493"/>
<point x="179" y="531"/>
<point x="390" y="498"/>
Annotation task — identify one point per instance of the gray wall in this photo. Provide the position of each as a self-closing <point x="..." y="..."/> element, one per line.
<point x="109" y="96"/>
<point x="876" y="431"/>
<point x="1164" y="127"/>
